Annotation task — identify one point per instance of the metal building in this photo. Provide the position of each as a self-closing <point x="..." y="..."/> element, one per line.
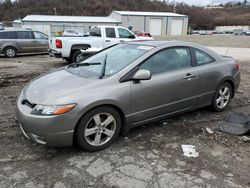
<point x="55" y="25"/>
<point x="156" y="23"/>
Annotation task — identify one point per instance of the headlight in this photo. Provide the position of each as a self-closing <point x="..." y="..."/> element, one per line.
<point x="52" y="109"/>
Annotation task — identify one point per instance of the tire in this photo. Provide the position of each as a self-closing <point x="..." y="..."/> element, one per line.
<point x="68" y="60"/>
<point x="76" y="56"/>
<point x="222" y="97"/>
<point x="92" y="133"/>
<point x="10" y="52"/>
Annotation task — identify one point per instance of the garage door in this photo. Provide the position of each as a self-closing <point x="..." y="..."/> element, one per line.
<point x="155" y="26"/>
<point x="176" y="26"/>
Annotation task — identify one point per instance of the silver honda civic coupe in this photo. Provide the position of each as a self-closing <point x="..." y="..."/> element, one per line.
<point x="129" y="84"/>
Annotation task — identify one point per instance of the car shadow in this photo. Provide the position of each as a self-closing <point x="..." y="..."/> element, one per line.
<point x="183" y="126"/>
<point x="25" y="55"/>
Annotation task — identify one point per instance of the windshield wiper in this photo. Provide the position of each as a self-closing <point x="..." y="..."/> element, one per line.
<point x="74" y="65"/>
<point x="104" y="67"/>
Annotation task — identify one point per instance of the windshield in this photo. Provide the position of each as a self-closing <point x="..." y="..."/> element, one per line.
<point x="110" y="61"/>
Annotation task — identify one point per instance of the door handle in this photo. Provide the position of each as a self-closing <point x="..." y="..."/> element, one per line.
<point x="107" y="40"/>
<point x="121" y="40"/>
<point x="189" y="76"/>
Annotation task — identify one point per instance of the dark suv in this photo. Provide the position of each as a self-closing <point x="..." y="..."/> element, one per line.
<point x="16" y="41"/>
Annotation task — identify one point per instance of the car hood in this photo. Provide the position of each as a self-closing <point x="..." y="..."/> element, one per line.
<point x="57" y="88"/>
<point x="144" y="38"/>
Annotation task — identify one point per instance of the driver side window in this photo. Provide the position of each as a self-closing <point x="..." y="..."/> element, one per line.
<point x="168" y="60"/>
<point x="123" y="33"/>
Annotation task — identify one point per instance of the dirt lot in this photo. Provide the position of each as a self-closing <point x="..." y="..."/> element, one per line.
<point x="216" y="40"/>
<point x="149" y="156"/>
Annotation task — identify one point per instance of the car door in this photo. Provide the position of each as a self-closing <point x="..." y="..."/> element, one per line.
<point x="110" y="37"/>
<point x="96" y="37"/>
<point x="26" y="42"/>
<point x="172" y="87"/>
<point x="42" y="42"/>
<point x="209" y="75"/>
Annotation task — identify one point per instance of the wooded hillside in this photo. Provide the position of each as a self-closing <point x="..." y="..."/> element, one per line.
<point x="199" y="18"/>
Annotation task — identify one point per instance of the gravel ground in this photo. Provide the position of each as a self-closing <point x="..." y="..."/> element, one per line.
<point x="215" y="40"/>
<point x="148" y="156"/>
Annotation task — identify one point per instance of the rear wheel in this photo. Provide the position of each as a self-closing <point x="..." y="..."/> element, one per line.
<point x="222" y="97"/>
<point x="77" y="56"/>
<point x="68" y="60"/>
<point x="10" y="52"/>
<point x="98" y="129"/>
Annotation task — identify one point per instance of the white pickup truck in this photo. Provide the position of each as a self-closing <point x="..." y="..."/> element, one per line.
<point x="69" y="48"/>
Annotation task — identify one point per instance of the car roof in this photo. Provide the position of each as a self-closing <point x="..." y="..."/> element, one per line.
<point x="156" y="43"/>
<point x="169" y="43"/>
<point x="14" y="29"/>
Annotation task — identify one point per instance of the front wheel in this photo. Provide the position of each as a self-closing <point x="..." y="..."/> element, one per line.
<point x="222" y="97"/>
<point x="98" y="128"/>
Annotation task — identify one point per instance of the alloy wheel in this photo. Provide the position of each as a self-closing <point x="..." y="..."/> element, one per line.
<point x="100" y="129"/>
<point x="223" y="97"/>
<point x="79" y="57"/>
<point x="10" y="52"/>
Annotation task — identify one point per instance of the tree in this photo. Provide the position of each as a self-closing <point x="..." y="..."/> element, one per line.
<point x="199" y="18"/>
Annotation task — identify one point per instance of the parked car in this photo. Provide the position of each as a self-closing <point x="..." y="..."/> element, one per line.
<point x="219" y="32"/>
<point x="247" y="32"/>
<point x="121" y="87"/>
<point x="72" y="32"/>
<point x="202" y="32"/>
<point x="15" y="41"/>
<point x="238" y="31"/>
<point x="69" y="48"/>
<point x="142" y="34"/>
<point x="195" y="32"/>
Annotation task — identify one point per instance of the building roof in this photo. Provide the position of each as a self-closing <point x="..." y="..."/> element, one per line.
<point x="75" y="19"/>
<point x="136" y="13"/>
<point x="17" y="21"/>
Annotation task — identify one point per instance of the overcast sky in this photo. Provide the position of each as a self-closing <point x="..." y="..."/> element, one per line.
<point x="196" y="2"/>
<point x="204" y="2"/>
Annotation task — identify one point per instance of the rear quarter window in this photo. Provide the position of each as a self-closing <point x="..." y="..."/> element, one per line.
<point x="7" y="35"/>
<point x="202" y="57"/>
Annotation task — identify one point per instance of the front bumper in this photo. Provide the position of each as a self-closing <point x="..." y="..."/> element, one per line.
<point x="36" y="138"/>
<point x="54" y="53"/>
<point x="54" y="131"/>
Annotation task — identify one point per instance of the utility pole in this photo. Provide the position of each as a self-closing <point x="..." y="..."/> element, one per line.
<point x="55" y="11"/>
<point x="174" y="7"/>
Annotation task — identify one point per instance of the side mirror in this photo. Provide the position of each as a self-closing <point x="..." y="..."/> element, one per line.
<point x="142" y="75"/>
<point x="132" y="36"/>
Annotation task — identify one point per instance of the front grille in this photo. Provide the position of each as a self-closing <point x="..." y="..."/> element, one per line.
<point x="28" y="103"/>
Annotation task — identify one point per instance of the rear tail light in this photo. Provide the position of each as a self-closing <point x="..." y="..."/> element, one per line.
<point x="237" y="66"/>
<point x="58" y="43"/>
